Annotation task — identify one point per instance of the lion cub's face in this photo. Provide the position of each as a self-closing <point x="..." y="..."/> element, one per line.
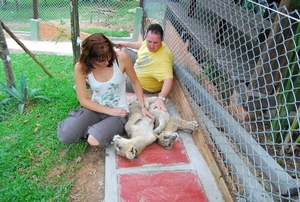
<point x="123" y="148"/>
<point x="167" y="139"/>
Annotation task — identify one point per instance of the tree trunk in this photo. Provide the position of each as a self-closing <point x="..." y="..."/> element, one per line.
<point x="4" y="54"/>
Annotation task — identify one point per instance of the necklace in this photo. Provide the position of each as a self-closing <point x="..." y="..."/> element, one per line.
<point x="102" y="72"/>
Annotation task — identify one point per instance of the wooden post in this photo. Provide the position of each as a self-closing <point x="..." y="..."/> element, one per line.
<point x="75" y="36"/>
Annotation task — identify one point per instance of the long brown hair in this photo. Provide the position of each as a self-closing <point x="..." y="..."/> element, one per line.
<point x="96" y="47"/>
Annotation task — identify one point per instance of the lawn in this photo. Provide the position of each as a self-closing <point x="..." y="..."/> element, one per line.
<point x="34" y="165"/>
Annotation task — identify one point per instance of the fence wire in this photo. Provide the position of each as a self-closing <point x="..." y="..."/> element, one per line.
<point x="238" y="64"/>
<point x="113" y="18"/>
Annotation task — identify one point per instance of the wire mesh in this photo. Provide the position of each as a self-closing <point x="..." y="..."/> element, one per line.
<point x="238" y="64"/>
<point x="113" y="18"/>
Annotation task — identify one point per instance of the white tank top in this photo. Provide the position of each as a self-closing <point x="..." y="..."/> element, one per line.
<point x="111" y="93"/>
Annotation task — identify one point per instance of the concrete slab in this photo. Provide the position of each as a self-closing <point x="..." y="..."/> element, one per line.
<point x="47" y="47"/>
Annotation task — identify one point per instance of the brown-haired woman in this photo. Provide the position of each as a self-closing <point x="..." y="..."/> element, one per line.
<point x="105" y="115"/>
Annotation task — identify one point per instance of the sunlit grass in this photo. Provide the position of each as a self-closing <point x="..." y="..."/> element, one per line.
<point x="34" y="165"/>
<point x="106" y="32"/>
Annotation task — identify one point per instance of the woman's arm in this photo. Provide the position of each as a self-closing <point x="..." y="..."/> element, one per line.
<point x="127" y="67"/>
<point x="85" y="101"/>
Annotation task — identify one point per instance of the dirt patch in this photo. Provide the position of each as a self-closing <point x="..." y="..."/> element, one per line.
<point x="90" y="179"/>
<point x="61" y="30"/>
<point x="85" y="24"/>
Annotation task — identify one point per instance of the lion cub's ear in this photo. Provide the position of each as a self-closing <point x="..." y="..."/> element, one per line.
<point x="132" y="153"/>
<point x="131" y="100"/>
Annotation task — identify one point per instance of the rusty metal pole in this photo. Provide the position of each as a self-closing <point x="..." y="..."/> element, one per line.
<point x="142" y="3"/>
<point x="35" y="9"/>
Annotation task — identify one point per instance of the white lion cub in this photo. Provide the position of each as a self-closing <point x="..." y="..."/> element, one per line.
<point x="143" y="132"/>
<point x="140" y="131"/>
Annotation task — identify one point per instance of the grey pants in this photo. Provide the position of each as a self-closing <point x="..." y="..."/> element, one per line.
<point x="83" y="122"/>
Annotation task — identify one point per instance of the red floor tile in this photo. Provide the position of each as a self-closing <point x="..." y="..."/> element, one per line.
<point x="161" y="187"/>
<point x="155" y="154"/>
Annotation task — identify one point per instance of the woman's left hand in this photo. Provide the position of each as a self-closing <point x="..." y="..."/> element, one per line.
<point x="145" y="112"/>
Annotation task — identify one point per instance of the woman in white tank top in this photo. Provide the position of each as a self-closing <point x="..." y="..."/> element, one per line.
<point x="105" y="115"/>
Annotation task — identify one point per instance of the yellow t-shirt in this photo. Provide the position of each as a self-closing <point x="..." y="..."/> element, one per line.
<point x="153" y="68"/>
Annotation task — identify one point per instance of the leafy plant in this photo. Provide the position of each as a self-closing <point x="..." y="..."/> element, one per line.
<point x="286" y="100"/>
<point x="22" y="96"/>
<point x="213" y="74"/>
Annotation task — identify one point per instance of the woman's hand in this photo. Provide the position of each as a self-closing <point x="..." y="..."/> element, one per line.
<point x="145" y="112"/>
<point x="118" y="112"/>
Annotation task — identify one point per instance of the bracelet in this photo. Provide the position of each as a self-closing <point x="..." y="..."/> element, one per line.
<point x="162" y="98"/>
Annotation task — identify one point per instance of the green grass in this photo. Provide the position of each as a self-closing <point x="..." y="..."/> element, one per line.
<point x="106" y="32"/>
<point x="34" y="165"/>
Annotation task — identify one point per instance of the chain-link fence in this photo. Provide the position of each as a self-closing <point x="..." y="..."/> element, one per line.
<point x="238" y="65"/>
<point x="114" y="18"/>
<point x="237" y="62"/>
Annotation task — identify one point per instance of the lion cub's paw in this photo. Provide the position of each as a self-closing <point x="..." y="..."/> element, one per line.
<point x="157" y="131"/>
<point x="132" y="153"/>
<point x="167" y="139"/>
<point x="114" y="138"/>
<point x="194" y="125"/>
